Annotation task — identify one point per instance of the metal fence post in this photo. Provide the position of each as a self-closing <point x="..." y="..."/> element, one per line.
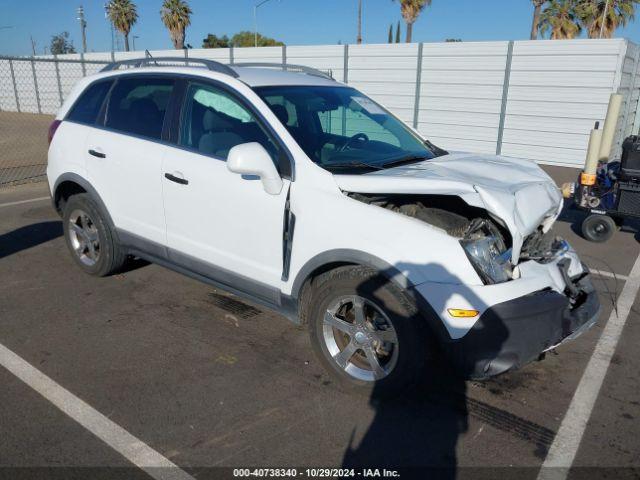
<point x="231" y="60"/>
<point x="416" y="105"/>
<point x="15" y="88"/>
<point x="56" y="63"/>
<point x="284" y="56"/>
<point x="113" y="56"/>
<point x="345" y="75"/>
<point x="84" y="68"/>
<point x="505" y="98"/>
<point x="35" y="84"/>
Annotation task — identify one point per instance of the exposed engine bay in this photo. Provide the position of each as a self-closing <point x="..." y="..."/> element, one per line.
<point x="486" y="242"/>
<point x="446" y="212"/>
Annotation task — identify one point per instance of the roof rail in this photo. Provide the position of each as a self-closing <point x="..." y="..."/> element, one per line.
<point x="159" y="61"/>
<point x="288" y="67"/>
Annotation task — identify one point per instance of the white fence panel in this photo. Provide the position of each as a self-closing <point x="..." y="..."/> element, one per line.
<point x="461" y="94"/>
<point x="557" y="91"/>
<point x="539" y="103"/>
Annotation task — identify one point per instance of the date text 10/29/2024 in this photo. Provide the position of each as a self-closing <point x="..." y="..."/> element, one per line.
<point x="316" y="473"/>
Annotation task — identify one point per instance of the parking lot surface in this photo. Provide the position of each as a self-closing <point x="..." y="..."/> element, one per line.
<point x="206" y="380"/>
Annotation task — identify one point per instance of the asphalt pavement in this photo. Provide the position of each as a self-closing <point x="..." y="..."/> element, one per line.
<point x="205" y="380"/>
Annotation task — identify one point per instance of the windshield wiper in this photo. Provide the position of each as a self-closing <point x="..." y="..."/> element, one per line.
<point x="404" y="160"/>
<point x="353" y="165"/>
<point x="437" y="151"/>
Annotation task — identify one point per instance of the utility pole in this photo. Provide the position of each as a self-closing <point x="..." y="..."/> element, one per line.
<point x="255" y="21"/>
<point x="133" y="37"/>
<point x="106" y="15"/>
<point x="33" y="45"/>
<point x="83" y="28"/>
<point x="359" y="39"/>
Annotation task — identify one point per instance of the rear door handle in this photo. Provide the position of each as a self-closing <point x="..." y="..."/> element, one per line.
<point x="95" y="153"/>
<point x="173" y="178"/>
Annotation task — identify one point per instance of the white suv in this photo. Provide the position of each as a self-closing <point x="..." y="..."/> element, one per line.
<point x="304" y="195"/>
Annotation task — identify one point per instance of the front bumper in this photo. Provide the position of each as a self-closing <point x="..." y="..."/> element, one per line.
<point x="513" y="333"/>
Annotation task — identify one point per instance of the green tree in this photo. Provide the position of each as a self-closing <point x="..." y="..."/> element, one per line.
<point x="390" y="33"/>
<point x="398" y="33"/>
<point x="246" y="39"/>
<point x="593" y="17"/>
<point x="410" y="10"/>
<point x="60" y="44"/>
<point x="213" y="41"/>
<point x="561" y="20"/>
<point x="123" y="15"/>
<point x="537" y="11"/>
<point x="176" y="16"/>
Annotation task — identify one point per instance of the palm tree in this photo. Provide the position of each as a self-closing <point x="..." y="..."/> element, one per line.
<point x="411" y="10"/>
<point x="537" y="10"/>
<point x="123" y="15"/>
<point x="592" y="14"/>
<point x="176" y="15"/>
<point x="561" y="18"/>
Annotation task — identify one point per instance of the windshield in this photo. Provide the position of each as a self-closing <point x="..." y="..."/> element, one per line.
<point x="340" y="128"/>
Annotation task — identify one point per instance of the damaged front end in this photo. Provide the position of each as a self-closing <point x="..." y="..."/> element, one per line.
<point x="485" y="239"/>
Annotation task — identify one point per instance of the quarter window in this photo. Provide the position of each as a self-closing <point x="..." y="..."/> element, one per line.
<point x="87" y="107"/>
<point x="213" y="122"/>
<point x="138" y="106"/>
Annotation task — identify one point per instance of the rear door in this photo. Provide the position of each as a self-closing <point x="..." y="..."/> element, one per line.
<point x="124" y="155"/>
<point x="221" y="224"/>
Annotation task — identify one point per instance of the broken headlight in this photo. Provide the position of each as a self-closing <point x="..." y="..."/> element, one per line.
<point x="487" y="252"/>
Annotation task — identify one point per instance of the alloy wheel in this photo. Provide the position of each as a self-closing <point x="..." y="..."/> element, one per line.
<point x="360" y="338"/>
<point x="83" y="234"/>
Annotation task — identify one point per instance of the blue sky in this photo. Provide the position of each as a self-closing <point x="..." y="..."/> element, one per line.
<point x="295" y="22"/>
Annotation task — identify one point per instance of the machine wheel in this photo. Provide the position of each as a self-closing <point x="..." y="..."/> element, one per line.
<point x="598" y="228"/>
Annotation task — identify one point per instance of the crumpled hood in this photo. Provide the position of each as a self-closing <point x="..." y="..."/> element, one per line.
<point x="516" y="191"/>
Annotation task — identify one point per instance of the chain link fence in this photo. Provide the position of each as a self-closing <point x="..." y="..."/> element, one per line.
<point x="31" y="92"/>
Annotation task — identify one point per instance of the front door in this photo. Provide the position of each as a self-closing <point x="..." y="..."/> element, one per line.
<point x="221" y="224"/>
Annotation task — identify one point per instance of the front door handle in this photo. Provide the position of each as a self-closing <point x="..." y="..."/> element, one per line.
<point x="95" y="153"/>
<point x="173" y="178"/>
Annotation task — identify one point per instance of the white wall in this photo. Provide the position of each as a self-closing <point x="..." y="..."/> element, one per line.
<point x="556" y="91"/>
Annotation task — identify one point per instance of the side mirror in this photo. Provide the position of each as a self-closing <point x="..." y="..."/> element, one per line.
<point x="253" y="159"/>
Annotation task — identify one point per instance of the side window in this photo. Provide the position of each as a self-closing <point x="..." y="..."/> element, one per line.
<point x="138" y="104"/>
<point x="87" y="107"/>
<point x="213" y="122"/>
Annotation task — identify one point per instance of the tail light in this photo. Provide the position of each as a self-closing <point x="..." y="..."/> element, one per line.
<point x="52" y="129"/>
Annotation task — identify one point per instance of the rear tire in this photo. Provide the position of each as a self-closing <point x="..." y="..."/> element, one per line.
<point x="90" y="240"/>
<point x="598" y="228"/>
<point x="368" y="333"/>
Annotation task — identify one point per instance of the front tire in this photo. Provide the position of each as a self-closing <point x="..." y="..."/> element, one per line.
<point x="90" y="240"/>
<point x="367" y="332"/>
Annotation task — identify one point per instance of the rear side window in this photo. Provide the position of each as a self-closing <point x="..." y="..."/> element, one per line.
<point x="87" y="107"/>
<point x="137" y="105"/>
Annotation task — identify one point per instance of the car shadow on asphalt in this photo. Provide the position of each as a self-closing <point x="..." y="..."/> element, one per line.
<point x="422" y="427"/>
<point x="29" y="236"/>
